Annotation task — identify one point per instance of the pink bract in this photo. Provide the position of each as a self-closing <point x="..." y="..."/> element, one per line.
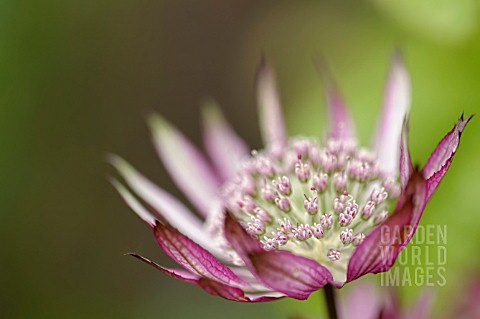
<point x="299" y="214"/>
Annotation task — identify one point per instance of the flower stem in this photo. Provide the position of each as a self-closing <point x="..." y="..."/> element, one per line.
<point x="330" y="300"/>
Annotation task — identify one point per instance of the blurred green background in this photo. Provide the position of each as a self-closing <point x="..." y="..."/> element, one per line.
<point x="77" y="79"/>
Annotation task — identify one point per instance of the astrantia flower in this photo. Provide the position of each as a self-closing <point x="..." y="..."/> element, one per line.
<point x="297" y="215"/>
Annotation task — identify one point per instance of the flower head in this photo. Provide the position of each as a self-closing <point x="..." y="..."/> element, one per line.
<point x="300" y="213"/>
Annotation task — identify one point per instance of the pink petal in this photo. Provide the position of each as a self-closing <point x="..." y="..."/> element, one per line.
<point x="361" y="301"/>
<point x="396" y="104"/>
<point x="441" y="158"/>
<point x="224" y="146"/>
<point x="295" y="276"/>
<point x="341" y="124"/>
<point x="266" y="296"/>
<point x="232" y="293"/>
<point x="245" y="275"/>
<point x="422" y="307"/>
<point x="391" y="305"/>
<point x="211" y="286"/>
<point x="168" y="208"/>
<point x="272" y="124"/>
<point x="467" y="304"/>
<point x="381" y="247"/>
<point x="186" y="165"/>
<point x="193" y="257"/>
<point x="171" y="209"/>
<point x="406" y="168"/>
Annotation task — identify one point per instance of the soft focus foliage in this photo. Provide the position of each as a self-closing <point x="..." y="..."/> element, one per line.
<point x="79" y="77"/>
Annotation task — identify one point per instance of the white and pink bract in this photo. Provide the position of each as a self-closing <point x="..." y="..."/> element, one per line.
<point x="299" y="214"/>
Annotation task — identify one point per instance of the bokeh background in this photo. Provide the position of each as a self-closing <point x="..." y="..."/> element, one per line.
<point x="78" y="78"/>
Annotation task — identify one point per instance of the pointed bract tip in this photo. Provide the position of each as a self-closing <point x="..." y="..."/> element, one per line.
<point x="115" y="183"/>
<point x="210" y="111"/>
<point x="326" y="75"/>
<point x="263" y="60"/>
<point x="397" y="64"/>
<point x="119" y="163"/>
<point x="320" y="62"/>
<point x="265" y="71"/>
<point x="462" y="121"/>
<point x="127" y="172"/>
<point x="272" y="123"/>
<point x="109" y="157"/>
<point x="112" y="158"/>
<point x="406" y="121"/>
<point x="158" y="124"/>
<point x="397" y="55"/>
